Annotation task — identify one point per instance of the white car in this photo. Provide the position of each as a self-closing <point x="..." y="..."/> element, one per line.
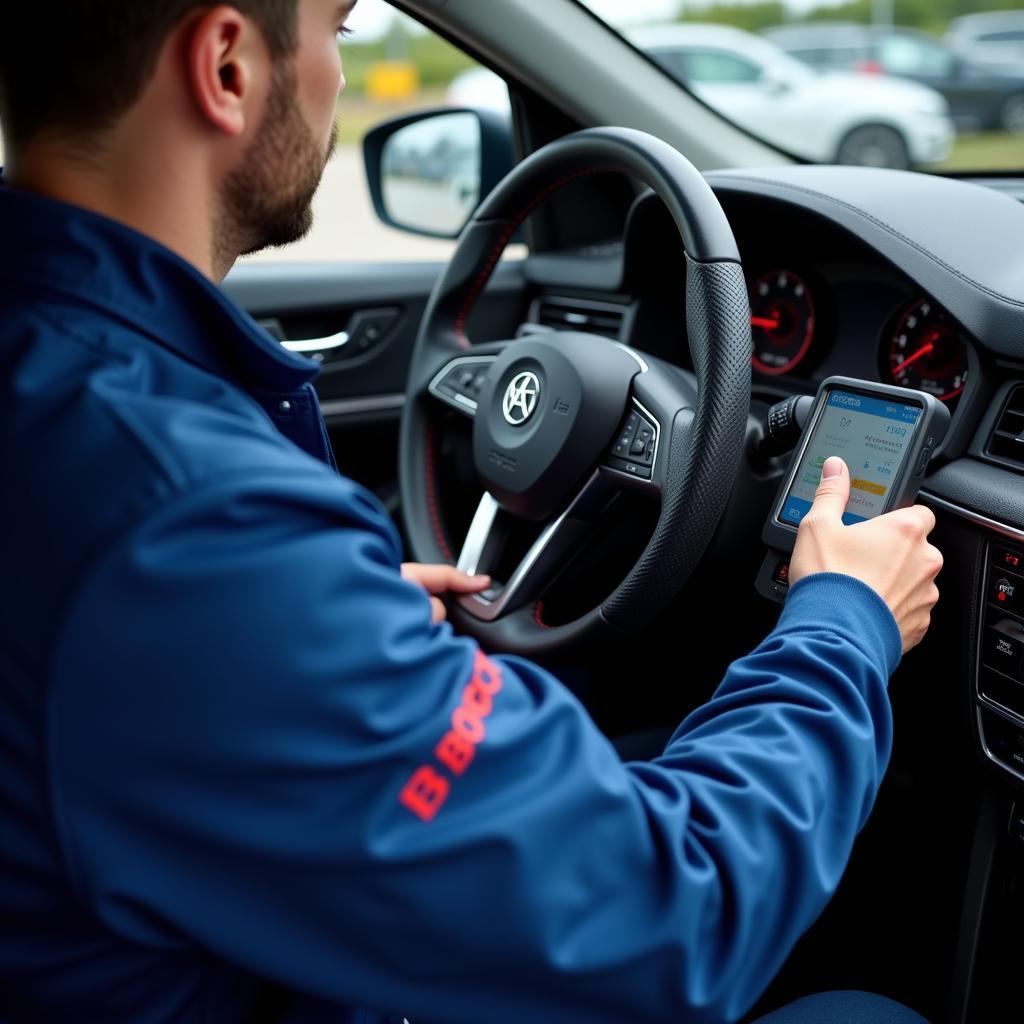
<point x="825" y="117"/>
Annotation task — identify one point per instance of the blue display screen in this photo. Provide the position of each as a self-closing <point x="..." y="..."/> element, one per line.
<point x="872" y="435"/>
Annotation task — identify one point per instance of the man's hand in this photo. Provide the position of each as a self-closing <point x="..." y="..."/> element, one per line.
<point x="442" y="579"/>
<point x="891" y="553"/>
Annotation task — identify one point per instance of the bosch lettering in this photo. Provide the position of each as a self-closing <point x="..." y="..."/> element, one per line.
<point x="427" y="789"/>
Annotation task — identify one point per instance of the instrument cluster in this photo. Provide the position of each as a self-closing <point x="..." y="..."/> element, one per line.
<point x="919" y="345"/>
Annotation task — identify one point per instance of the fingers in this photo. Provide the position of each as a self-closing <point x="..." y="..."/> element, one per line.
<point x="916" y="522"/>
<point x="833" y="491"/>
<point x="440" y="579"/>
<point x="460" y="583"/>
<point x="438" y="612"/>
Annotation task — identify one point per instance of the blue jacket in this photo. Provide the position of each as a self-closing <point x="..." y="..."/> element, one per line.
<point x="235" y="751"/>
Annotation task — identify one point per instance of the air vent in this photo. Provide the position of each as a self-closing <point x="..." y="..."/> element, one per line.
<point x="554" y="313"/>
<point x="1007" y="440"/>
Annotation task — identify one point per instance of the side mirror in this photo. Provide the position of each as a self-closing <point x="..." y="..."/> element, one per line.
<point x="429" y="171"/>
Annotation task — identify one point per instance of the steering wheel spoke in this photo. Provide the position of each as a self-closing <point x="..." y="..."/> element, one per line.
<point x="490" y="532"/>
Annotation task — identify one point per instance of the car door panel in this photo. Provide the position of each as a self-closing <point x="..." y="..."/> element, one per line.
<point x="360" y="320"/>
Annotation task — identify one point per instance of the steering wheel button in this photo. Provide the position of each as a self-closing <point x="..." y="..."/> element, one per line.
<point x="638" y="446"/>
<point x="631" y="466"/>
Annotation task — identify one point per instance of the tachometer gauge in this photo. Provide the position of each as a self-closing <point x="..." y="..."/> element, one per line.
<point x="926" y="352"/>
<point x="782" y="321"/>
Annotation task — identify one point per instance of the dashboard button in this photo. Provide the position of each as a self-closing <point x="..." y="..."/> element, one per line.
<point x="1007" y="558"/>
<point x="1003" y="647"/>
<point x="1007" y="590"/>
<point x="1002" y="691"/>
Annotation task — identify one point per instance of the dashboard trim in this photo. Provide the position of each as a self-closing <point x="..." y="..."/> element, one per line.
<point x="975" y="517"/>
<point x="980" y="700"/>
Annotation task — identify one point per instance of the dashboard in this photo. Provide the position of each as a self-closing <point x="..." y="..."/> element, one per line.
<point x="904" y="279"/>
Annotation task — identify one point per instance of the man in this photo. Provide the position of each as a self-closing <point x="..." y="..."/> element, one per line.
<point x="224" y="713"/>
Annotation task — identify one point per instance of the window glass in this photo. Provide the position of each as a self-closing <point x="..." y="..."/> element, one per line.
<point x="1016" y="36"/>
<point x="863" y="55"/>
<point x="713" y="67"/>
<point x="901" y="55"/>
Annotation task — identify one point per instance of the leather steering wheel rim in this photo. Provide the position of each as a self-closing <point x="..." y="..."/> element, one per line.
<point x="701" y="440"/>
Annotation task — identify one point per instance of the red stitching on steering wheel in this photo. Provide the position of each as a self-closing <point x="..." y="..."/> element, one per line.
<point x="499" y="248"/>
<point x="538" y="615"/>
<point x="432" y="501"/>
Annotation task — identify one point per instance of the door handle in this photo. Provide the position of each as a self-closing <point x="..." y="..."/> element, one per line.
<point x="334" y="341"/>
<point x="365" y="330"/>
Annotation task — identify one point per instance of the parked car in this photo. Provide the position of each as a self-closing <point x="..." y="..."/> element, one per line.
<point x="826" y="118"/>
<point x="995" y="38"/>
<point x="980" y="97"/>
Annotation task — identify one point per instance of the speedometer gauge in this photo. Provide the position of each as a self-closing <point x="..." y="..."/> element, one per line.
<point x="926" y="352"/>
<point x="782" y="321"/>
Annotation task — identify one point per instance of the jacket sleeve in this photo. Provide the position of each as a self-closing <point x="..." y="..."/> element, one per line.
<point x="263" y="747"/>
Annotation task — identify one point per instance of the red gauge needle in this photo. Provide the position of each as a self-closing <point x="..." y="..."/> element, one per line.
<point x="922" y="351"/>
<point x="769" y="323"/>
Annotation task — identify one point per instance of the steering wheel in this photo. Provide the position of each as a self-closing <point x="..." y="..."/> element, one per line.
<point x="562" y="419"/>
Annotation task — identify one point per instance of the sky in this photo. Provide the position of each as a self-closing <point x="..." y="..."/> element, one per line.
<point x="371" y="18"/>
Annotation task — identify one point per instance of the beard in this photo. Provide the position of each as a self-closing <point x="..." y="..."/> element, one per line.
<point x="268" y="199"/>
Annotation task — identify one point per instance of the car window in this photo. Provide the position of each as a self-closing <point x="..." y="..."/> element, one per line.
<point x="904" y="56"/>
<point x="873" y="82"/>
<point x="1015" y="36"/>
<point x="830" y="56"/>
<point x="706" y="67"/>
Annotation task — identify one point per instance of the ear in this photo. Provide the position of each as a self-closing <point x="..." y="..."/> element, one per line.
<point x="225" y="56"/>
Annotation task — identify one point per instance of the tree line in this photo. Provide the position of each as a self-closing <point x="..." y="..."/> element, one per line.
<point x="929" y="15"/>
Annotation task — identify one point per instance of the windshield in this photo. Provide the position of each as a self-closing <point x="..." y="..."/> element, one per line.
<point x="871" y="82"/>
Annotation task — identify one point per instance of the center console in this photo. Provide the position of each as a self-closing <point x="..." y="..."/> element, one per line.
<point x="999" y="672"/>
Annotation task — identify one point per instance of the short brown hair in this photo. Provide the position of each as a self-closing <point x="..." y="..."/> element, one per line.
<point x="77" y="65"/>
